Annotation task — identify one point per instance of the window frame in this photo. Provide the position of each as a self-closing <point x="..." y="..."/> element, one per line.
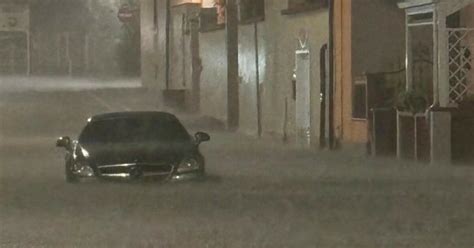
<point x="359" y="82"/>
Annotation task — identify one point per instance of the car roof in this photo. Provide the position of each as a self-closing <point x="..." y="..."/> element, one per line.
<point x="132" y="115"/>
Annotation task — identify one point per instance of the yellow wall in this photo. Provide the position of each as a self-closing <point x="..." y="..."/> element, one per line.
<point x="347" y="130"/>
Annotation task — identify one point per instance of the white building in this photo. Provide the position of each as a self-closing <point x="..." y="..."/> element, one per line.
<point x="446" y="27"/>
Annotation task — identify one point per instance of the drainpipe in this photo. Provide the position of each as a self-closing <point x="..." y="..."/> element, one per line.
<point x="436" y="59"/>
<point x="232" y="38"/>
<point x="332" y="144"/>
<point x="257" y="80"/>
<point x="167" y="43"/>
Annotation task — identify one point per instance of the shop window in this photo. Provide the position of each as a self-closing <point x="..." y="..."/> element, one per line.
<point x="297" y="6"/>
<point x="359" y="99"/>
<point x="251" y="11"/>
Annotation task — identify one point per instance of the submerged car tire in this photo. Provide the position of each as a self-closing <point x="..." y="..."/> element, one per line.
<point x="202" y="164"/>
<point x="70" y="177"/>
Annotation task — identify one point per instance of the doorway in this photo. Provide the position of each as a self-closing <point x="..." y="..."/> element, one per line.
<point x="324" y="132"/>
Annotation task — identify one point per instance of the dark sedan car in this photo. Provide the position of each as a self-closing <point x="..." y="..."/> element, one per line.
<point x="134" y="145"/>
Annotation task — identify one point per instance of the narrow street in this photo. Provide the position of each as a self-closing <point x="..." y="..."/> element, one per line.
<point x="259" y="193"/>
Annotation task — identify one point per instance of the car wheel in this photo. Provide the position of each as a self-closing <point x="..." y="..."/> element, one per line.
<point x="70" y="177"/>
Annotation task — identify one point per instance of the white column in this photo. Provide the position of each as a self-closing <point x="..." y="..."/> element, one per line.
<point x="435" y="58"/>
<point x="440" y="137"/>
<point x="443" y="57"/>
<point x="440" y="122"/>
<point x="28" y="53"/>
<point x="408" y="55"/>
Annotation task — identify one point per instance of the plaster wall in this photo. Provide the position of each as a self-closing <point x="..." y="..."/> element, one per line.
<point x="153" y="44"/>
<point x="248" y="74"/>
<point x="148" y="65"/>
<point x="180" y="46"/>
<point x="378" y="36"/>
<point x="277" y="38"/>
<point x="281" y="41"/>
<point x="213" y="100"/>
<point x="277" y="42"/>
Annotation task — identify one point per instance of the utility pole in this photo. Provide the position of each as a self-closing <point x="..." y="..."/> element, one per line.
<point x="232" y="38"/>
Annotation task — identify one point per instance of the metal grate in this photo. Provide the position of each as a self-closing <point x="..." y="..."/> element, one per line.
<point x="460" y="47"/>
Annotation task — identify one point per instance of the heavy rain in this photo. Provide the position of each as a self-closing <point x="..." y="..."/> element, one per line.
<point x="237" y="123"/>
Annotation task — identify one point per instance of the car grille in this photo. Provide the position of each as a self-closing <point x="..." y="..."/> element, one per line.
<point x="135" y="170"/>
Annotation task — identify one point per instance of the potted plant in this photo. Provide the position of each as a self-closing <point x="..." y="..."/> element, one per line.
<point x="412" y="101"/>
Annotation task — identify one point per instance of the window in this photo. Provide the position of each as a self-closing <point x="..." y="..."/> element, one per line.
<point x="251" y="11"/>
<point x="359" y="99"/>
<point x="297" y="6"/>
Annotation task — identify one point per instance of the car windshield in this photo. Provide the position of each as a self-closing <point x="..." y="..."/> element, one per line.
<point x="128" y="130"/>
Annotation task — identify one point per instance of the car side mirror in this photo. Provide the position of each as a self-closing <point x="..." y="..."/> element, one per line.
<point x="202" y="137"/>
<point x="64" y="142"/>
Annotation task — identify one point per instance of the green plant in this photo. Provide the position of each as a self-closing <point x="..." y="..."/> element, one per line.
<point x="412" y="101"/>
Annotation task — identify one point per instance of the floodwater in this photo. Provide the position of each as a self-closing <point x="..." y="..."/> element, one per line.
<point x="258" y="193"/>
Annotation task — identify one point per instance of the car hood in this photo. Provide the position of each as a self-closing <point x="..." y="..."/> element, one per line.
<point x="108" y="154"/>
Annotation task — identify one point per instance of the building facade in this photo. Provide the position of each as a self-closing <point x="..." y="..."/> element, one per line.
<point x="369" y="41"/>
<point x="446" y="27"/>
<point x="15" y="50"/>
<point x="280" y="67"/>
<point x="64" y="37"/>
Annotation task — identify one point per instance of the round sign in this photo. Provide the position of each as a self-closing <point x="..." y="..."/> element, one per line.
<point x="125" y="13"/>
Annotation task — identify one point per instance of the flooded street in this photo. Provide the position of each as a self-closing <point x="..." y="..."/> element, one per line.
<point x="258" y="193"/>
<point x="302" y="123"/>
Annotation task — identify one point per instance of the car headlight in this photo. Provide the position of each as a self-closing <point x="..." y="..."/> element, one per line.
<point x="80" y="152"/>
<point x="188" y="165"/>
<point x="84" y="152"/>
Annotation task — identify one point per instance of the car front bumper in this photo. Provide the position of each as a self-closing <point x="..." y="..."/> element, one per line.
<point x="188" y="176"/>
<point x="133" y="171"/>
